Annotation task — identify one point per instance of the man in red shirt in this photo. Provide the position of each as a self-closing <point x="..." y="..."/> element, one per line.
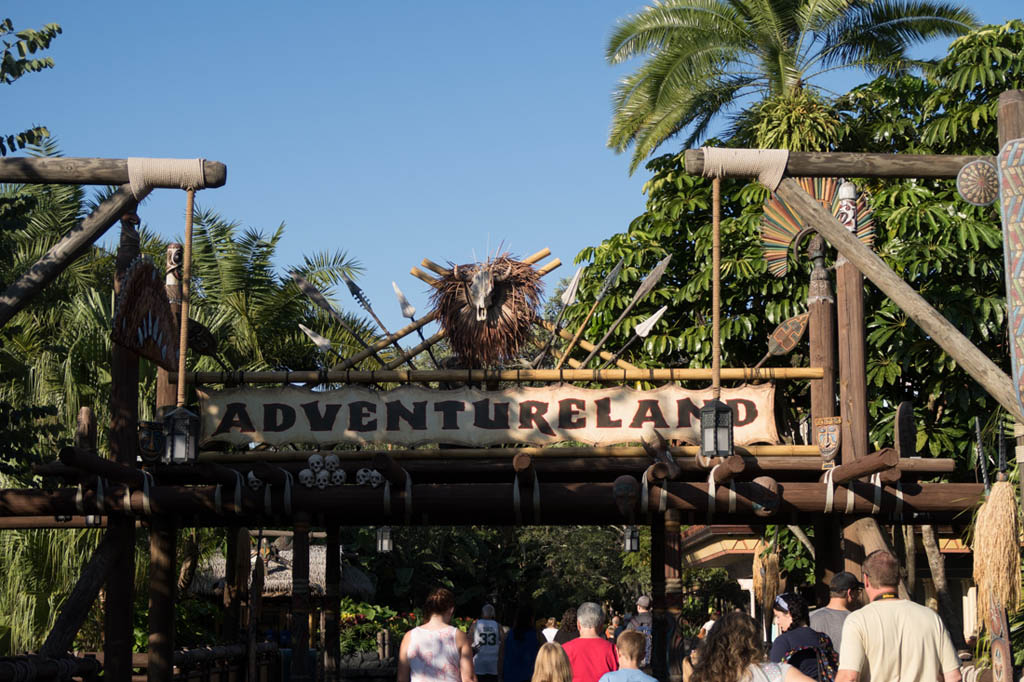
<point x="590" y="654"/>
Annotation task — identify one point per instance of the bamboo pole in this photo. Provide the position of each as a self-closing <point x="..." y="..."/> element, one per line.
<point x="515" y="375"/>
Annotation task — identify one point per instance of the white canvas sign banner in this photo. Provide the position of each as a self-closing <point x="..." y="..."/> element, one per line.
<point x="414" y="415"/>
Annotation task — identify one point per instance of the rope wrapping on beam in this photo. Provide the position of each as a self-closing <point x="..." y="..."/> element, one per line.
<point x="144" y="174"/>
<point x="876" y="504"/>
<point x="767" y="165"/>
<point x="830" y="491"/>
<point x="239" y="483"/>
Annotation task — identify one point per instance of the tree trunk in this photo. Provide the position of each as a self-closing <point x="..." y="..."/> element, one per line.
<point x="937" y="566"/>
<point x="910" y="557"/>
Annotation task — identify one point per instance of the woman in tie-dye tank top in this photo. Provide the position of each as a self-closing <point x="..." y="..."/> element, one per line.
<point x="436" y="651"/>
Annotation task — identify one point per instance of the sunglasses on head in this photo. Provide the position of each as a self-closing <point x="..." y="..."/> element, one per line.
<point x="781" y="604"/>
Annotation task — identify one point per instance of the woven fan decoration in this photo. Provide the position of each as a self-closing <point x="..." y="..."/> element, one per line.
<point x="781" y="224"/>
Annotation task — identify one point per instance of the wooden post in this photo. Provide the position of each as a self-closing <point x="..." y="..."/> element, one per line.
<point x="852" y="366"/>
<point x="166" y="394"/>
<point x="236" y="582"/>
<point x="163" y="537"/>
<point x="332" y="604"/>
<point x="300" y="599"/>
<point x="118" y="624"/>
<point x="821" y="306"/>
<point x="659" y="625"/>
<point x="673" y="569"/>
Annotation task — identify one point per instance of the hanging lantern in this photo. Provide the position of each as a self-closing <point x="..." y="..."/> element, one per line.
<point x="715" y="429"/>
<point x="631" y="539"/>
<point x="384" y="543"/>
<point x="182" y="433"/>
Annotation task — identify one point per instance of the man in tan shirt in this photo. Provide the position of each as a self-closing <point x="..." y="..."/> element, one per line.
<point x="893" y="639"/>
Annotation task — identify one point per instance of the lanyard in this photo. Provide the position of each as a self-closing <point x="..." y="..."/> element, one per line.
<point x="885" y="595"/>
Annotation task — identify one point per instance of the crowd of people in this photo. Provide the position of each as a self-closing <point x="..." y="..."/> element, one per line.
<point x="887" y="638"/>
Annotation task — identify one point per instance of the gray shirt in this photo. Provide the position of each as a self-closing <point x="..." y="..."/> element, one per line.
<point x="830" y="621"/>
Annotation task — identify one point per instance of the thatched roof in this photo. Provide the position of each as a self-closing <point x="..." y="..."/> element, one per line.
<point x="209" y="578"/>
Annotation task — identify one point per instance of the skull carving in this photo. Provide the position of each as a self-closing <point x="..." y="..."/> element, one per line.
<point x="316" y="463"/>
<point x="481" y="287"/>
<point x="363" y="476"/>
<point x="338" y="477"/>
<point x="254" y="482"/>
<point x="323" y="479"/>
<point x="307" y="478"/>
<point x="331" y="462"/>
<point x="376" y="478"/>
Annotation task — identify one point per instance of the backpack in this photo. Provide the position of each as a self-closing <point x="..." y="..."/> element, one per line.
<point x="645" y="630"/>
<point x="825" y="653"/>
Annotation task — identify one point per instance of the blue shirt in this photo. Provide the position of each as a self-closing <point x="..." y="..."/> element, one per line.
<point x="627" y="675"/>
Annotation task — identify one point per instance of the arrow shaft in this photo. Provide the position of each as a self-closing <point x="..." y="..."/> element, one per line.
<point x="384" y="329"/>
<point x="576" y="336"/>
<point x="611" y="330"/>
<point x="430" y="351"/>
<point x="316" y="297"/>
<point x="620" y="351"/>
<point x="551" y="339"/>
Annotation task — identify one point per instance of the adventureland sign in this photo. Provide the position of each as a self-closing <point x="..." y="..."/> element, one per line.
<point x="413" y="415"/>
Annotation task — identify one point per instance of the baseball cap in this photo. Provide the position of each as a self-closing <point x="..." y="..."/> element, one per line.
<point x="644" y="602"/>
<point x="844" y="581"/>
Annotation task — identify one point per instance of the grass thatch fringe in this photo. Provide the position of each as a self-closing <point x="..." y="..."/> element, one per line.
<point x="510" y="317"/>
<point x="996" y="550"/>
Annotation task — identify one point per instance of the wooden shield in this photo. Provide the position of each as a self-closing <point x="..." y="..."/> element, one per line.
<point x="828" y="435"/>
<point x="785" y="337"/>
<point x="143" y="321"/>
<point x="1011" y="199"/>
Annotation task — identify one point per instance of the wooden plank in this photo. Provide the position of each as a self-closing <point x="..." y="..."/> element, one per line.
<point x="937" y="327"/>
<point x="484" y="375"/>
<point x="88" y="171"/>
<point x="65" y="251"/>
<point x="858" y="165"/>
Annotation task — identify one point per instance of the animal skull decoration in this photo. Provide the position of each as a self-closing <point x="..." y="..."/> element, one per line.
<point x="338" y="477"/>
<point x="331" y="462"/>
<point x="316" y="463"/>
<point x="254" y="482"/>
<point x="307" y="478"/>
<point x="363" y="476"/>
<point x="481" y="286"/>
<point x="323" y="479"/>
<point x="376" y="478"/>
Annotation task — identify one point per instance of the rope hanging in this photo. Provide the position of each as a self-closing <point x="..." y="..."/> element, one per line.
<point x="144" y="174"/>
<point x="767" y="165"/>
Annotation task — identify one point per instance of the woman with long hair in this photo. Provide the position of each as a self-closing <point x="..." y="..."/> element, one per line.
<point x="436" y="651"/>
<point x="567" y="630"/>
<point x="733" y="652"/>
<point x="552" y="664"/>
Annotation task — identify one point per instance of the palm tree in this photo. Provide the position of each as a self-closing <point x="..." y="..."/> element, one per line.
<point x="705" y="57"/>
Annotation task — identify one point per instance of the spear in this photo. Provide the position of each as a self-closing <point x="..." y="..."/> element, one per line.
<point x="606" y="286"/>
<point x="568" y="298"/>
<point x="641" y="331"/>
<point x="410" y="312"/>
<point x="645" y="288"/>
<point x="364" y="303"/>
<point x="313" y="294"/>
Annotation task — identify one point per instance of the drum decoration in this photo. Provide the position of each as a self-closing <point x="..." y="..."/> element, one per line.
<point x="978" y="182"/>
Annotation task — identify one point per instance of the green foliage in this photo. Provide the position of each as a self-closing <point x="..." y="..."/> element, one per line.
<point x="705" y="58"/>
<point x="25" y="44"/>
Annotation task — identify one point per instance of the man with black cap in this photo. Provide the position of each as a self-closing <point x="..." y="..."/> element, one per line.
<point x="643" y="622"/>
<point x="844" y="592"/>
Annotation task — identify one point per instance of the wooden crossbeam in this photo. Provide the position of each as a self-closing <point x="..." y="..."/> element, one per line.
<point x="859" y="165"/>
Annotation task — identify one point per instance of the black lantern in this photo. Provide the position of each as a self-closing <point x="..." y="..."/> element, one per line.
<point x="631" y="539"/>
<point x="182" y="436"/>
<point x="715" y="429"/>
<point x="384" y="539"/>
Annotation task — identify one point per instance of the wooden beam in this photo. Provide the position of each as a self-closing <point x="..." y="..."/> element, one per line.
<point x="485" y="375"/>
<point x="934" y="325"/>
<point x="89" y="171"/>
<point x="67" y="249"/>
<point x="858" y="165"/>
<point x="482" y="503"/>
<point x="886" y="458"/>
<point x="75" y="608"/>
<point x="775" y="454"/>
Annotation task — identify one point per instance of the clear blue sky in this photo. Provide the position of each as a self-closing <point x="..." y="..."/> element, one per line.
<point x="391" y="130"/>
